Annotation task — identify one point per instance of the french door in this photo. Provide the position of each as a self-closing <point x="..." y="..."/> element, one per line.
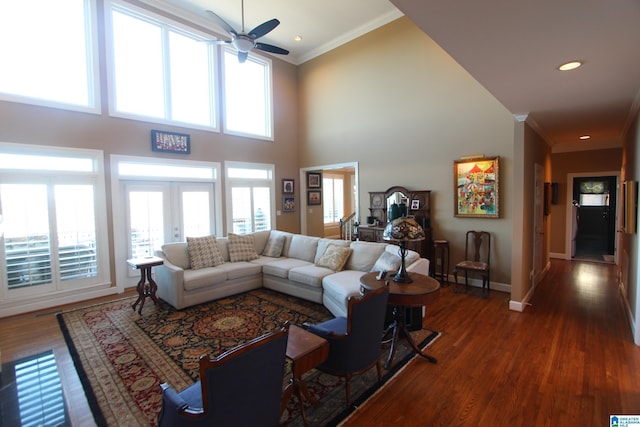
<point x="160" y="212"/>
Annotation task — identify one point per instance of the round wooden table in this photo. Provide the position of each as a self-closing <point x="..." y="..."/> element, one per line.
<point x="423" y="291"/>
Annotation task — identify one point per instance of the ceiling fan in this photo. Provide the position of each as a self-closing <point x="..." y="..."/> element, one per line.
<point x="244" y="42"/>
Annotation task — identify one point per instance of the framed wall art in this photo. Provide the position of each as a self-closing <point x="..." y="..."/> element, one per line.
<point x="314" y="180"/>
<point x="630" y="200"/>
<point x="314" y="198"/>
<point x="477" y="187"/>
<point x="288" y="186"/>
<point x="170" y="142"/>
<point x="288" y="204"/>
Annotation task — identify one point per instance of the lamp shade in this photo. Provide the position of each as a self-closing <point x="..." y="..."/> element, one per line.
<point x="403" y="229"/>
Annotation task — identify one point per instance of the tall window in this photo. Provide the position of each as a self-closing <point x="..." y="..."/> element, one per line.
<point x="51" y="205"/>
<point x="160" y="70"/>
<point x="248" y="99"/>
<point x="250" y="189"/>
<point x="48" y="53"/>
<point x="333" y="198"/>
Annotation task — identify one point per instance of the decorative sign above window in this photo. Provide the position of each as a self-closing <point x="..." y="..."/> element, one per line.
<point x="170" y="142"/>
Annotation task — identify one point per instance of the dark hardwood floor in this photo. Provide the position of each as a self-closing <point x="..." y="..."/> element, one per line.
<point x="569" y="359"/>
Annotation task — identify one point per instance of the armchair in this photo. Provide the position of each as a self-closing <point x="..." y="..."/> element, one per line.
<point x="241" y="387"/>
<point x="355" y="341"/>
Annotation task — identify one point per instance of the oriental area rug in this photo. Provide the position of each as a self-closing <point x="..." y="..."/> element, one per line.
<point x="122" y="357"/>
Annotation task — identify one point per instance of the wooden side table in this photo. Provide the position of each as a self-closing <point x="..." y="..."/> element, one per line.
<point x="421" y="292"/>
<point x="306" y="351"/>
<point x="145" y="289"/>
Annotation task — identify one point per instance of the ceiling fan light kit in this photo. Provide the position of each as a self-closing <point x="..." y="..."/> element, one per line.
<point x="244" y="42"/>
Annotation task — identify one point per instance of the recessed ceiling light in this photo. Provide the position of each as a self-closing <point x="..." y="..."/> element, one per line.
<point x="585" y="137"/>
<point x="570" y="66"/>
<point x="298" y="38"/>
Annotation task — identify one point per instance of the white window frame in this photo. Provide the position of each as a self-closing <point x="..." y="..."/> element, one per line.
<point x="249" y="182"/>
<point x="167" y="25"/>
<point x="333" y="177"/>
<point x="268" y="84"/>
<point x="93" y="80"/>
<point x="60" y="292"/>
<point x="118" y="202"/>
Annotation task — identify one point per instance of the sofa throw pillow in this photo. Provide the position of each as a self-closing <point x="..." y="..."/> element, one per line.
<point x="334" y="257"/>
<point x="387" y="262"/>
<point x="274" y="246"/>
<point x="204" y="252"/>
<point x="242" y="248"/>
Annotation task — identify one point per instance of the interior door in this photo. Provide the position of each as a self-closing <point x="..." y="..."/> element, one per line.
<point x="596" y="197"/>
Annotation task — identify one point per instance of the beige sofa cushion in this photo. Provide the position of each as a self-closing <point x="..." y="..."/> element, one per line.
<point x="204" y="252"/>
<point x="203" y="278"/>
<point x="273" y="247"/>
<point x="236" y="270"/>
<point x="412" y="256"/>
<point x="177" y="254"/>
<point x="260" y="239"/>
<point x="335" y="257"/>
<point x="387" y="262"/>
<point x="364" y="255"/>
<point x="323" y="243"/>
<point x="242" y="248"/>
<point x="310" y="275"/>
<point x="303" y="247"/>
<point x="281" y="267"/>
<point x="287" y="240"/>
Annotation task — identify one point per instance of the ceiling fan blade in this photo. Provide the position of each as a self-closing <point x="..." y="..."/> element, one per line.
<point x="242" y="56"/>
<point x="264" y="28"/>
<point x="222" y="23"/>
<point x="271" y="48"/>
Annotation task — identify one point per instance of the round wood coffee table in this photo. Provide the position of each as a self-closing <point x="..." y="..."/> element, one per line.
<point x="423" y="291"/>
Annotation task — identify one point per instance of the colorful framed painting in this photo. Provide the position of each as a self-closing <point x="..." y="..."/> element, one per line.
<point x="314" y="198"/>
<point x="477" y="187"/>
<point x="170" y="142"/>
<point x="289" y="204"/>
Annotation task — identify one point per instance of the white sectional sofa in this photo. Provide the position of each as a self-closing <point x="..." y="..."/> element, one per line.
<point x="311" y="268"/>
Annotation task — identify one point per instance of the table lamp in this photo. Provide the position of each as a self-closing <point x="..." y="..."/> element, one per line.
<point x="402" y="230"/>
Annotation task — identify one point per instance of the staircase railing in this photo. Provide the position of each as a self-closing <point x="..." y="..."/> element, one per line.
<point x="348" y="227"/>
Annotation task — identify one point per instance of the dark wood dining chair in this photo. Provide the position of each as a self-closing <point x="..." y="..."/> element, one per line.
<point x="477" y="260"/>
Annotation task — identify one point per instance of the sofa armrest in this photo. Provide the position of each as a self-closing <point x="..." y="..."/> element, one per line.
<point x="421" y="266"/>
<point x="170" y="281"/>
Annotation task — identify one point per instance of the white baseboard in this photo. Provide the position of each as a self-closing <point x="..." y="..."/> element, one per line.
<point x="558" y="255"/>
<point x="14" y="307"/>
<point x="477" y="283"/>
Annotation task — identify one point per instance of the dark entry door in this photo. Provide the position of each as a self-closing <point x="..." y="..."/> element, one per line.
<point x="596" y="197"/>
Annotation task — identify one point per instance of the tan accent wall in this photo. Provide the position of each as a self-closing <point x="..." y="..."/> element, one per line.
<point x="397" y="104"/>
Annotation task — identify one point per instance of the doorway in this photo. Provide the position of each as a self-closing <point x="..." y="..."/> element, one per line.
<point x="312" y="218"/>
<point x="594" y="201"/>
